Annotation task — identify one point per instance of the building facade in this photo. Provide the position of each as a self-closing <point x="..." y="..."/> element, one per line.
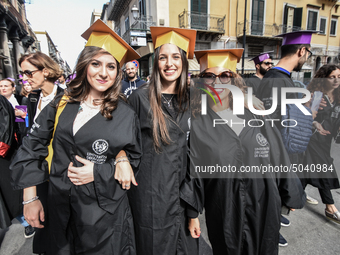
<point x="16" y="36"/>
<point x="222" y="23"/>
<point x="45" y="44"/>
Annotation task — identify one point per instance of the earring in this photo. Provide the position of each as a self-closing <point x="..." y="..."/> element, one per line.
<point x="45" y="78"/>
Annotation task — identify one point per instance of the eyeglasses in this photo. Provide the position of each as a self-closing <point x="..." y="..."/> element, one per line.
<point x="310" y="53"/>
<point x="28" y="73"/>
<point x="209" y="78"/>
<point x="268" y="63"/>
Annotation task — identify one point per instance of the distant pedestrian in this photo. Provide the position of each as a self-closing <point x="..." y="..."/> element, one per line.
<point x="263" y="62"/>
<point x="326" y="125"/>
<point x="132" y="80"/>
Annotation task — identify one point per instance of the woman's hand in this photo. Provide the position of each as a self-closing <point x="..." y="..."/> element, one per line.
<point x="124" y="175"/>
<point x="257" y="103"/>
<point x="81" y="175"/>
<point x="34" y="213"/>
<point x="19" y="113"/>
<point x="194" y="227"/>
<point x="320" y="129"/>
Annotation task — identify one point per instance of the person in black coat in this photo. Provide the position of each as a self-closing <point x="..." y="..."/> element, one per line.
<point x="160" y="213"/>
<point x="10" y="200"/>
<point x="242" y="201"/>
<point x="89" y="212"/>
<point x="326" y="125"/>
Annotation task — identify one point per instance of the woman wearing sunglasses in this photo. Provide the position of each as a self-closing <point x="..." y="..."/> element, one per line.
<point x="160" y="215"/>
<point x="242" y="206"/>
<point x="40" y="72"/>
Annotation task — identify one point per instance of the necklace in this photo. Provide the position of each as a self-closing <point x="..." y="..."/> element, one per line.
<point x="168" y="101"/>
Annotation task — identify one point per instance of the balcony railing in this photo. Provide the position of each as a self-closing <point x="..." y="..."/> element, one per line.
<point x="259" y="28"/>
<point x="201" y="21"/>
<point x="126" y="36"/>
<point x="143" y="23"/>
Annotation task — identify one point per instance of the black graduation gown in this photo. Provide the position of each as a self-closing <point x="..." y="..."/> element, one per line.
<point x="253" y="82"/>
<point x="10" y="200"/>
<point x="159" y="213"/>
<point x="94" y="218"/>
<point x="278" y="79"/>
<point x="40" y="238"/>
<point x="319" y="150"/>
<point x="243" y="210"/>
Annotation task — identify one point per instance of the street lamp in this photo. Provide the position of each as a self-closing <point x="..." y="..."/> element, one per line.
<point x="134" y="11"/>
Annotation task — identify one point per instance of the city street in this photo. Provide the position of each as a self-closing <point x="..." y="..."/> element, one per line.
<point x="310" y="231"/>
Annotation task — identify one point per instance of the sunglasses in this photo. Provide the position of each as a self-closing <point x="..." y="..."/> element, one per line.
<point x="268" y="63"/>
<point x="28" y="73"/>
<point x="310" y="53"/>
<point x="209" y="78"/>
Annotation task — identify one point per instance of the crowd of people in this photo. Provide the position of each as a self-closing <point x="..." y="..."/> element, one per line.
<point x="102" y="164"/>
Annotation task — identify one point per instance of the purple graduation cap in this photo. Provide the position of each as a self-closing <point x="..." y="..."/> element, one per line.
<point x="298" y="37"/>
<point x="263" y="56"/>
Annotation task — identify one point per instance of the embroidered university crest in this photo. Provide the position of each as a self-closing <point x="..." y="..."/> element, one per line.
<point x="261" y="139"/>
<point x="100" y="146"/>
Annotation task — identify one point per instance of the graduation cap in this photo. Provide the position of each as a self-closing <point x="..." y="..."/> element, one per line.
<point x="183" y="38"/>
<point x="227" y="58"/>
<point x="298" y="37"/>
<point x="102" y="36"/>
<point x="263" y="56"/>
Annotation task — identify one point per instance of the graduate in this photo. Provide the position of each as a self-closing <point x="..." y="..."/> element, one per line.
<point x="10" y="200"/>
<point x="89" y="211"/>
<point x="161" y="217"/>
<point x="326" y="124"/>
<point x="263" y="62"/>
<point x="242" y="209"/>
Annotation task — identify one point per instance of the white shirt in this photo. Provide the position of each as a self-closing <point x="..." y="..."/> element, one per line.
<point x="13" y="101"/>
<point x="62" y="85"/>
<point x="85" y="113"/>
<point x="43" y="101"/>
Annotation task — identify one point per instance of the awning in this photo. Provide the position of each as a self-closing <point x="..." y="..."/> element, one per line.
<point x="194" y="67"/>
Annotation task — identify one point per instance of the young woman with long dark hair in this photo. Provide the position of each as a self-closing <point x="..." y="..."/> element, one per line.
<point x="89" y="211"/>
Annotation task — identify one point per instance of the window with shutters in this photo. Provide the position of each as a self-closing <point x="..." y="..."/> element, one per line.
<point x="199" y="14"/>
<point x="257" y="16"/>
<point x="323" y="23"/>
<point x="334" y="23"/>
<point x="254" y="50"/>
<point x="127" y="23"/>
<point x="312" y="19"/>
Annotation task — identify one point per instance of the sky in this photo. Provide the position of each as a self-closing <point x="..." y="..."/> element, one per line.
<point x="64" y="21"/>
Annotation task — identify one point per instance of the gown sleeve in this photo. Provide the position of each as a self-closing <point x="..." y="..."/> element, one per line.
<point x="29" y="167"/>
<point x="108" y="190"/>
<point x="6" y="126"/>
<point x="289" y="185"/>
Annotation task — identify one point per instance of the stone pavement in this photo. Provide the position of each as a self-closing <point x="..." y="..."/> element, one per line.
<point x="310" y="231"/>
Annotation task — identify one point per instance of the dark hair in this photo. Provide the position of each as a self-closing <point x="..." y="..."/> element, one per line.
<point x="317" y="84"/>
<point x="291" y="49"/>
<point x="41" y="61"/>
<point x="79" y="87"/>
<point x="64" y="75"/>
<point x="159" y="127"/>
<point x="23" y="91"/>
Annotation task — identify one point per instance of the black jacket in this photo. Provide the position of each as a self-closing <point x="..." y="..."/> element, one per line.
<point x="94" y="218"/>
<point x="129" y="86"/>
<point x="242" y="209"/>
<point x="159" y="212"/>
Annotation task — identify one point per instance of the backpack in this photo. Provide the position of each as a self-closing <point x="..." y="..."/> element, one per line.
<point x="296" y="138"/>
